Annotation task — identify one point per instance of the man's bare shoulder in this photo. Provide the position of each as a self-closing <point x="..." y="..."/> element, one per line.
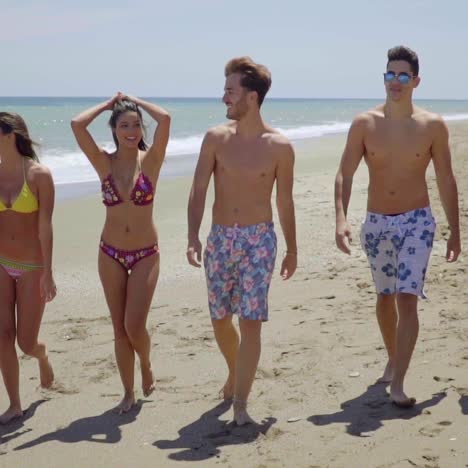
<point x="366" y="120"/>
<point x="429" y="118"/>
<point x="369" y="116"/>
<point x="220" y="132"/>
<point x="278" y="141"/>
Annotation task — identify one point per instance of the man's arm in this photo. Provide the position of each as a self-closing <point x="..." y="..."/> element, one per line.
<point x="447" y="186"/>
<point x="350" y="160"/>
<point x="285" y="205"/>
<point x="196" y="204"/>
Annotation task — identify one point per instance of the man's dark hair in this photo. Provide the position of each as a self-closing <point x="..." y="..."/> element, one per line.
<point x="406" y="54"/>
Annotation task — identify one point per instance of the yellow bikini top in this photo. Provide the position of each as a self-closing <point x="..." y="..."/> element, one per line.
<point x="26" y="201"/>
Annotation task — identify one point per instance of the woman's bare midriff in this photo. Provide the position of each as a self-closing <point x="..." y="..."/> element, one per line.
<point x="130" y="228"/>
<point x="19" y="238"/>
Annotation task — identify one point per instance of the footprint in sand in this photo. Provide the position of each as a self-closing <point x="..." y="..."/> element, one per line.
<point x="443" y="379"/>
<point x="95" y="362"/>
<point x="433" y="431"/>
<point x="75" y="332"/>
<point x="334" y="387"/>
<point x="165" y="380"/>
<point x="162" y="383"/>
<point x="100" y="376"/>
<point x="106" y="367"/>
<point x="264" y="373"/>
<point x="58" y="387"/>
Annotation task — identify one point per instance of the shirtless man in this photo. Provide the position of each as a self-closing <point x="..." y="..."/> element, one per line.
<point x="246" y="157"/>
<point x="398" y="141"/>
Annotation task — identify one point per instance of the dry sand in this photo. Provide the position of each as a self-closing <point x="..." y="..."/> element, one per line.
<point x="322" y="332"/>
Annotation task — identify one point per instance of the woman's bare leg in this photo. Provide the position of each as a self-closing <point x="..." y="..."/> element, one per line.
<point x="8" y="359"/>
<point x="30" y="309"/>
<point x="114" y="282"/>
<point x="140" y="289"/>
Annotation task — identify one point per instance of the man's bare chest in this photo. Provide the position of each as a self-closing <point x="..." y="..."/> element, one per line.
<point x="398" y="145"/>
<point x="250" y="162"/>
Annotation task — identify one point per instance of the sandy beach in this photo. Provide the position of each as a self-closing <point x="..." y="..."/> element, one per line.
<point x="322" y="351"/>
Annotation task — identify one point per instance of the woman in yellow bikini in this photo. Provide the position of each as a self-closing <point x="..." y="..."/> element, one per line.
<point x="128" y="250"/>
<point x="26" y="281"/>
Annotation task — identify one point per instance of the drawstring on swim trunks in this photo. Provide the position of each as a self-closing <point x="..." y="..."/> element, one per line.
<point x="396" y="223"/>
<point x="234" y="230"/>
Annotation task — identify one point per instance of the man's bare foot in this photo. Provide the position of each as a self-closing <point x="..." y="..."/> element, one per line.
<point x="12" y="413"/>
<point x="387" y="375"/>
<point x="46" y="373"/>
<point x="241" y="417"/>
<point x="126" y="404"/>
<point x="147" y="380"/>
<point x="227" y="392"/>
<point x="400" y="399"/>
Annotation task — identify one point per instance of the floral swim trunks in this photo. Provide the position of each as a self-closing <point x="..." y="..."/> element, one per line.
<point x="398" y="249"/>
<point x="239" y="263"/>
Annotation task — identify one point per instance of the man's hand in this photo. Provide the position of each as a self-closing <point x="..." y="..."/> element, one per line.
<point x="453" y="248"/>
<point x="289" y="265"/>
<point x="343" y="237"/>
<point x="194" y="251"/>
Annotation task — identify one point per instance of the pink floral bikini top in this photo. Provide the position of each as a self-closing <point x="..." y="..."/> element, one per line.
<point x="142" y="193"/>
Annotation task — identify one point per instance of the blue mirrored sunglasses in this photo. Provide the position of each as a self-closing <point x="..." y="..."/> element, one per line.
<point x="402" y="78"/>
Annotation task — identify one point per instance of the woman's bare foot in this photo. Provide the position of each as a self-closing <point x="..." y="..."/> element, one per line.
<point x="241" y="417"/>
<point x="227" y="392"/>
<point x="147" y="380"/>
<point x="399" y="398"/>
<point x="12" y="413"/>
<point x="46" y="373"/>
<point x="387" y="375"/>
<point x="126" y="404"/>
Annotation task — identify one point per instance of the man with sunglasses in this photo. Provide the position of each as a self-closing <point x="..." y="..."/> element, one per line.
<point x="398" y="141"/>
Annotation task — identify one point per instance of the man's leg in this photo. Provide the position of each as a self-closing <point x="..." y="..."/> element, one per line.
<point x="228" y="341"/>
<point x="378" y="242"/>
<point x="387" y="318"/>
<point x="407" y="334"/>
<point x="246" y="368"/>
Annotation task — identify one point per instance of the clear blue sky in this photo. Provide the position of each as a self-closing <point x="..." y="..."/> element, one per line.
<point x="324" y="48"/>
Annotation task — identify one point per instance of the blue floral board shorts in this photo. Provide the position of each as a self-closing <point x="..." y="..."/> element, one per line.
<point x="398" y="248"/>
<point x="239" y="263"/>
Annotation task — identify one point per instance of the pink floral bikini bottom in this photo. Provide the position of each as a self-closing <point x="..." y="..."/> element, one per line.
<point x="128" y="258"/>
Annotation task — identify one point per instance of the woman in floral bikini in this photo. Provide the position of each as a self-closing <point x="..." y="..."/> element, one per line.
<point x="129" y="254"/>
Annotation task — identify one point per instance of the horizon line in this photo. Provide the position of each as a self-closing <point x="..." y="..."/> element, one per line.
<point x="218" y="97"/>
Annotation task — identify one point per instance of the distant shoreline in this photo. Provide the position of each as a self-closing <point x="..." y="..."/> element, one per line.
<point x="216" y="98"/>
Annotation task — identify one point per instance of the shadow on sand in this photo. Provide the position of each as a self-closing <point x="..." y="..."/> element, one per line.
<point x="366" y="413"/>
<point x="202" y="438"/>
<point x="104" y="428"/>
<point x="464" y="404"/>
<point x="12" y="430"/>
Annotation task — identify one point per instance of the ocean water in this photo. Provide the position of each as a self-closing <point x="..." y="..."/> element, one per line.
<point x="48" y="121"/>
